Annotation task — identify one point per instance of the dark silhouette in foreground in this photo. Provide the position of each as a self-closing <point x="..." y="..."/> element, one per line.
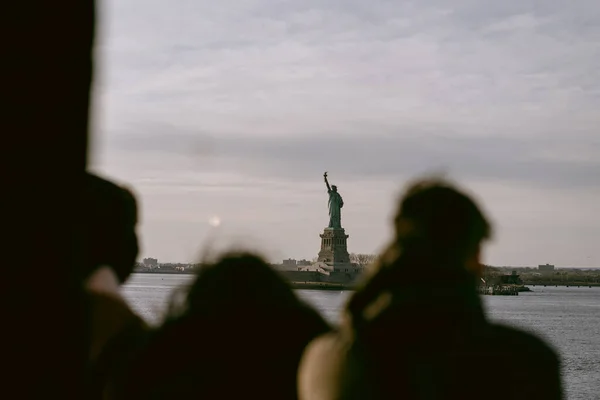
<point x="240" y="333"/>
<point x="111" y="217"/>
<point x="47" y="61"/>
<point x="416" y="328"/>
<point x="111" y="248"/>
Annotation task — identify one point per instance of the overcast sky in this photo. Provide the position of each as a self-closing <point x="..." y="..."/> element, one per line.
<point x="235" y="109"/>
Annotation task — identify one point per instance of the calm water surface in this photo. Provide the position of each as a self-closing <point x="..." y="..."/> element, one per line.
<point x="568" y="318"/>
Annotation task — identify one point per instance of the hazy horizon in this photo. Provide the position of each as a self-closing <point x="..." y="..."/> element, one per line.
<point x="235" y="110"/>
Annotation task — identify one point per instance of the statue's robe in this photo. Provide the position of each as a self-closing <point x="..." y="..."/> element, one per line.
<point x="335" y="209"/>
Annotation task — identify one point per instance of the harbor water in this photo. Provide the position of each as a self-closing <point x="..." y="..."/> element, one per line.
<point x="567" y="317"/>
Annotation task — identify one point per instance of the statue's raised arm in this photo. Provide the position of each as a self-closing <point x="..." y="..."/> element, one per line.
<point x="326" y="181"/>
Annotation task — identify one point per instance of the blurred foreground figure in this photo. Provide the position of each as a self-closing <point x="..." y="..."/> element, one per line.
<point x="240" y="334"/>
<point x="47" y="74"/>
<point x="416" y="329"/>
<point x="111" y="217"/>
<point x="110" y="239"/>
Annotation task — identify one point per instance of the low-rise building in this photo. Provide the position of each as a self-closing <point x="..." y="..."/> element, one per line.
<point x="289" y="262"/>
<point x="546" y="269"/>
<point x="150" y="262"/>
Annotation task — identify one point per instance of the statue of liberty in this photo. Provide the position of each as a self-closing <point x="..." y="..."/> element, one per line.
<point x="335" y="205"/>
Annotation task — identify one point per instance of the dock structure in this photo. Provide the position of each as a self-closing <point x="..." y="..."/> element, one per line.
<point x="502" y="285"/>
<point x="499" y="290"/>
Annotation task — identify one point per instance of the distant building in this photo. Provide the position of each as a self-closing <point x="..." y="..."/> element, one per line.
<point x="546" y="269"/>
<point x="303" y="263"/>
<point x="150" y="262"/>
<point x="289" y="262"/>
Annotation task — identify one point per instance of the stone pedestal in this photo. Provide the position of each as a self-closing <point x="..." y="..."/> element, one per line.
<point x="334" y="247"/>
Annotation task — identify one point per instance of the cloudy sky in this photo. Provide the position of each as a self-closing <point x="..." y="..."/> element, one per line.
<point x="234" y="109"/>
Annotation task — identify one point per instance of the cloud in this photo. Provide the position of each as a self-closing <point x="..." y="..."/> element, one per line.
<point x="560" y="162"/>
<point x="273" y="68"/>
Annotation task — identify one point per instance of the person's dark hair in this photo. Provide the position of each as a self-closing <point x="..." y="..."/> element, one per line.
<point x="109" y="224"/>
<point x="437" y="228"/>
<point x="438" y="221"/>
<point x="238" y="281"/>
<point x="239" y="318"/>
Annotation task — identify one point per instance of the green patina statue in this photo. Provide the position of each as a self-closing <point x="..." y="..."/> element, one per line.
<point x="335" y="205"/>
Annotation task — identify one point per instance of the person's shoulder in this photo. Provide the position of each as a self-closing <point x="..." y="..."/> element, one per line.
<point x="311" y="319"/>
<point x="325" y="343"/>
<point x="323" y="367"/>
<point x="521" y="341"/>
<point x="325" y="352"/>
<point x="535" y="364"/>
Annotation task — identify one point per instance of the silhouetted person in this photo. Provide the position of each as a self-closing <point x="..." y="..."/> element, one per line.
<point x="46" y="79"/>
<point x="416" y="328"/>
<point x="110" y="220"/>
<point x="241" y="335"/>
<point x="111" y="244"/>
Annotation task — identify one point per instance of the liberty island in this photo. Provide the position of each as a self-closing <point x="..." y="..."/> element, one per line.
<point x="333" y="269"/>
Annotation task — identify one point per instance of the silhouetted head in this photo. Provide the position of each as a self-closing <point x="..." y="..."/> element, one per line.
<point x="239" y="282"/>
<point x="241" y="333"/>
<point x="438" y="234"/>
<point x="438" y="223"/>
<point x="334" y="188"/>
<point x="110" y="220"/>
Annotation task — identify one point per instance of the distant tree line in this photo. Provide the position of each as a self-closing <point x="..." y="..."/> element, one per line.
<point x="533" y="274"/>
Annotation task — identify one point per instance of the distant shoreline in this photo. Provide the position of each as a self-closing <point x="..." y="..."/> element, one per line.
<point x="321" y="286"/>
<point x="166" y="272"/>
<point x="295" y="285"/>
<point x="343" y="286"/>
<point x="564" y="284"/>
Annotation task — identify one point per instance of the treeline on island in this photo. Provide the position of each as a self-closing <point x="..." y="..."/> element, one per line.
<point x="559" y="276"/>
